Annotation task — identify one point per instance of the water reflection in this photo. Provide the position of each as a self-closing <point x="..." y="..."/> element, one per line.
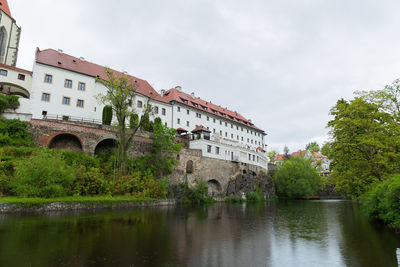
<point x="293" y="233"/>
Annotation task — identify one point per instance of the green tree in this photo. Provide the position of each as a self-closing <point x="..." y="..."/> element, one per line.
<point x="107" y="115"/>
<point x="313" y="147"/>
<point x="13" y="102"/>
<point x="146" y="125"/>
<point x="164" y="149"/>
<point x="326" y="149"/>
<point x="3" y="103"/>
<point x="272" y="155"/>
<point x="297" y="178"/>
<point x="134" y="121"/>
<point x="365" y="145"/>
<point x="121" y="91"/>
<point x="286" y="154"/>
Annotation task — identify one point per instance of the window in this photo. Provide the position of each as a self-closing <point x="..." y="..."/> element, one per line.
<point x="179" y="109"/>
<point x="187" y="123"/>
<point x="163" y="111"/>
<point x="66" y="100"/>
<point x="242" y="128"/>
<point x="139" y="104"/>
<point x="46" y="97"/>
<point x="238" y="137"/>
<point x="156" y="110"/>
<point x="80" y="103"/>
<point x="249" y="157"/>
<point x="3" y="72"/>
<point x="232" y="126"/>
<point x="247" y="130"/>
<point x="208" y="148"/>
<point x="232" y="136"/>
<point x="208" y="118"/>
<point x="130" y="102"/>
<point x="21" y="77"/>
<point x="68" y="83"/>
<point x="48" y="78"/>
<point x="198" y="115"/>
<point x="214" y="120"/>
<point x="82" y="86"/>
<point x="188" y="112"/>
<point x="214" y="131"/>
<point x="254" y="158"/>
<point x="226" y="134"/>
<point x="220" y="132"/>
<point x="220" y="122"/>
<point x="178" y="121"/>
<point x="226" y="124"/>
<point x="248" y="140"/>
<point x="237" y="128"/>
<point x="242" y="138"/>
<point x="217" y="150"/>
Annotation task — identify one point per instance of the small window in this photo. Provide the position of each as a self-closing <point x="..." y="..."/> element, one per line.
<point x="232" y="136"/>
<point x="220" y="132"/>
<point x="156" y="110"/>
<point x="214" y="120"/>
<point x="217" y="150"/>
<point x="249" y="156"/>
<point x="242" y="139"/>
<point x="187" y="123"/>
<point x="198" y="115"/>
<point x="163" y="111"/>
<point x="66" y="100"/>
<point x="179" y="121"/>
<point x="179" y="109"/>
<point x="48" y="78"/>
<point x="44" y="112"/>
<point x="208" y="118"/>
<point x="45" y="97"/>
<point x="68" y="83"/>
<point x="226" y="124"/>
<point x="188" y="112"/>
<point x="139" y="104"/>
<point x="226" y="134"/>
<point x="80" y="103"/>
<point x="232" y="126"/>
<point x="21" y="77"/>
<point x="82" y="87"/>
<point x="3" y="72"/>
<point x="208" y="148"/>
<point x="220" y="122"/>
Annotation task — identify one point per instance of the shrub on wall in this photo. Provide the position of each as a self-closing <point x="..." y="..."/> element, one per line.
<point x="14" y="132"/>
<point x="44" y="174"/>
<point x="3" y="103"/>
<point x="134" y="121"/>
<point x="8" y="102"/>
<point x="107" y="115"/>
<point x="146" y="125"/>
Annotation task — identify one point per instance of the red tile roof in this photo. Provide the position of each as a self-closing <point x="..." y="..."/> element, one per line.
<point x="279" y="157"/>
<point x="16" y="69"/>
<point x="60" y="60"/>
<point x="299" y="153"/>
<point x="181" y="130"/>
<point x="319" y="155"/>
<point x="200" y="128"/>
<point x="4" y="6"/>
<point x="260" y="149"/>
<point x="198" y="103"/>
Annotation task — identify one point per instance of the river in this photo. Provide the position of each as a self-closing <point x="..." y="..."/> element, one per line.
<point x="283" y="233"/>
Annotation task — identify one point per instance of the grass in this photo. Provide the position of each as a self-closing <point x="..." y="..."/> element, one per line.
<point x="95" y="200"/>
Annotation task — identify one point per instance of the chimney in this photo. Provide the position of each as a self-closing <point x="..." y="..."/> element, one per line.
<point x="179" y="88"/>
<point x="60" y="51"/>
<point x="163" y="92"/>
<point x="192" y="95"/>
<point x="82" y="58"/>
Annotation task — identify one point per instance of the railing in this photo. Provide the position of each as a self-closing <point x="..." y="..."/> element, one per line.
<point x="71" y="118"/>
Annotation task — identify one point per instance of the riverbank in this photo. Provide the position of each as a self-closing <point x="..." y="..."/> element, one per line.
<point x="40" y="205"/>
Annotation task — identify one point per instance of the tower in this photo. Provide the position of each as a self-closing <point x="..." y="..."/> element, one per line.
<point x="9" y="36"/>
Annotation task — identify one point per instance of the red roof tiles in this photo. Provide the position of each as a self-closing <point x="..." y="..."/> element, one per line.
<point x="4" y="6"/>
<point x="201" y="128"/>
<point x="60" y="60"/>
<point x="198" y="103"/>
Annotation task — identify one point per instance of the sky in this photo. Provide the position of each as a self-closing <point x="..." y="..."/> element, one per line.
<point x="283" y="64"/>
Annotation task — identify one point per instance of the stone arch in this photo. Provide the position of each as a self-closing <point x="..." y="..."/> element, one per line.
<point x="189" y="166"/>
<point x="14" y="89"/>
<point x="214" y="187"/>
<point x="66" y="141"/>
<point x="106" y="146"/>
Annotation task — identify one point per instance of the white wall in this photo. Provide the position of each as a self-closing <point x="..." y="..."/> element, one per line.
<point x="11" y="41"/>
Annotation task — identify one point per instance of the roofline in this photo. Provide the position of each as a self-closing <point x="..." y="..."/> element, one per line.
<point x="16" y="69"/>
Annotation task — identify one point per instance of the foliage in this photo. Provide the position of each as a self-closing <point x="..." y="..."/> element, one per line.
<point x="272" y="155"/>
<point x="383" y="201"/>
<point x="134" y="121"/>
<point x="297" y="178"/>
<point x="77" y="159"/>
<point x="313" y="147"/>
<point x="365" y="145"/>
<point x="121" y="91"/>
<point x="286" y="154"/>
<point x="6" y="102"/>
<point x="14" y="132"/>
<point x="91" y="182"/>
<point x="255" y="196"/>
<point x="44" y="174"/>
<point x="107" y="115"/>
<point x="326" y="150"/>
<point x="164" y="149"/>
<point x="146" y="125"/>
<point x="195" y="194"/>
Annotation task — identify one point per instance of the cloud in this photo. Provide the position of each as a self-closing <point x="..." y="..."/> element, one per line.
<point x="281" y="63"/>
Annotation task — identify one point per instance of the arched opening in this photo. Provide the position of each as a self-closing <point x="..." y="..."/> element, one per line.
<point x="67" y="142"/>
<point x="106" y="147"/>
<point x="214" y="187"/>
<point x="189" y="166"/>
<point x="13" y="89"/>
<point x="3" y="42"/>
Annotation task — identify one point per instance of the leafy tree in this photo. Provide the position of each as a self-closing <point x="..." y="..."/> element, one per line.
<point x="326" y="149"/>
<point x="297" y="178"/>
<point x="313" y="147"/>
<point x="122" y="91"/>
<point x="3" y="103"/>
<point x="164" y="149"/>
<point x="107" y="115"/>
<point x="13" y="102"/>
<point x="365" y="145"/>
<point x="272" y="155"/>
<point x="146" y="125"/>
<point x="134" y="121"/>
<point x="286" y="154"/>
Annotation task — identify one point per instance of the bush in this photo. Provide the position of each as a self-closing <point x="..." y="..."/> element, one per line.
<point x="3" y="103"/>
<point x="76" y="159"/>
<point x="91" y="182"/>
<point x="13" y="102"/>
<point x="146" y="125"/>
<point x="14" y="132"/>
<point x="134" y="121"/>
<point x="382" y="202"/>
<point x="297" y="178"/>
<point x="107" y="115"/>
<point x="255" y="196"/>
<point x="44" y="174"/>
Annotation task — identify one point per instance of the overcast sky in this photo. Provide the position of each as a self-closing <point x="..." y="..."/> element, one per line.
<point x="282" y="64"/>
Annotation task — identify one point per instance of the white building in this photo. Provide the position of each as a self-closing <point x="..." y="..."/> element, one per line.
<point x="67" y="88"/>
